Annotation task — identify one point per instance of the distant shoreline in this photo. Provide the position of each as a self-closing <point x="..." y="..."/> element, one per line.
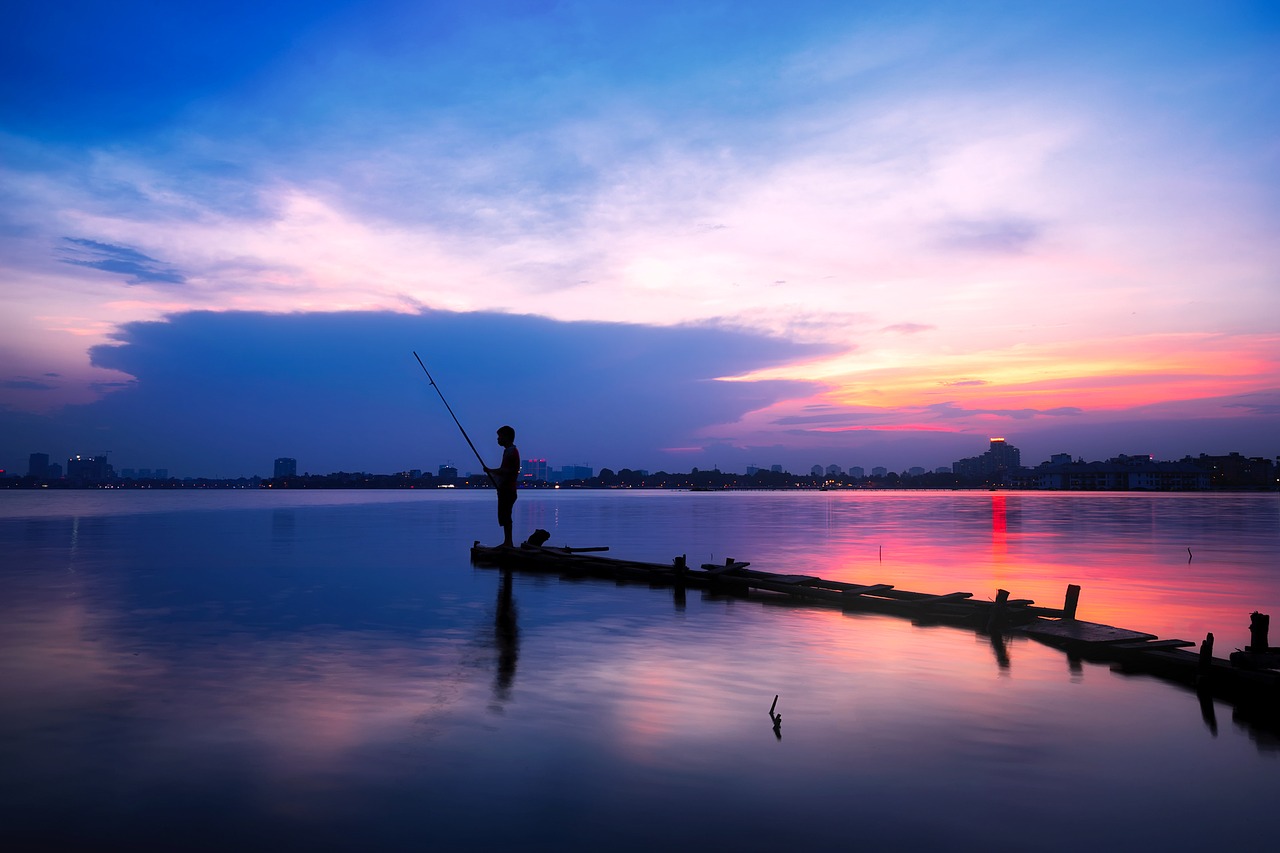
<point x="376" y="484"/>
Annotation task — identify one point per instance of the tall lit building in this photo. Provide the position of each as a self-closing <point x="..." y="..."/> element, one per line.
<point x="286" y="467"/>
<point x="1004" y="455"/>
<point x="996" y="465"/>
<point x="534" y="470"/>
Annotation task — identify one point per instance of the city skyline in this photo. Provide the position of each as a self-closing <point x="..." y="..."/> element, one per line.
<point x="1000" y="457"/>
<point x="680" y="237"/>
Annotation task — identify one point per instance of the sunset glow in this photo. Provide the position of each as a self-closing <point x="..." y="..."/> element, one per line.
<point x="932" y="221"/>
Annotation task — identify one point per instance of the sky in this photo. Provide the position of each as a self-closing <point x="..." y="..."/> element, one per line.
<point x="653" y="236"/>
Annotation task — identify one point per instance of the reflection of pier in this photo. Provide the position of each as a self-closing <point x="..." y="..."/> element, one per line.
<point x="1253" y="687"/>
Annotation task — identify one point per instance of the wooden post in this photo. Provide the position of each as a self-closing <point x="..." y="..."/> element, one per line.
<point x="1072" y="600"/>
<point x="1205" y="665"/>
<point x="996" y="620"/>
<point x="679" y="564"/>
<point x="1258" y="625"/>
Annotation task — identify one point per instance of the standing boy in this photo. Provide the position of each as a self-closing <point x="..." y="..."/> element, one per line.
<point x="505" y="478"/>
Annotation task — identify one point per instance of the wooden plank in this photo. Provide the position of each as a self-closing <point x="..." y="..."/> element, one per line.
<point x="939" y="599"/>
<point x="805" y="580"/>
<point x="1075" y="631"/>
<point x="869" y="589"/>
<point x="1152" y="644"/>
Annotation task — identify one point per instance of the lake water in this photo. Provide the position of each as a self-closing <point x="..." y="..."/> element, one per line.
<point x="245" y="670"/>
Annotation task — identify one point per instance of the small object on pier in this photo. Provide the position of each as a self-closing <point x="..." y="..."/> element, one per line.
<point x="1071" y="602"/>
<point x="537" y="538"/>
<point x="1205" y="666"/>
<point x="996" y="620"/>
<point x="1258" y="625"/>
<point x="729" y="566"/>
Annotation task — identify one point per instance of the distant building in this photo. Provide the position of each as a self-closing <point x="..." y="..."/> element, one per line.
<point x="285" y="467"/>
<point x="534" y="470"/>
<point x="916" y="471"/>
<point x="815" y="471"/>
<point x="1001" y="461"/>
<point x="1118" y="474"/>
<point x="879" y="471"/>
<point x="834" y="471"/>
<point x="752" y="470"/>
<point x="1234" y="471"/>
<point x="144" y="474"/>
<point x="572" y="472"/>
<point x="857" y="471"/>
<point x="448" y="474"/>
<point x="942" y="469"/>
<point x="38" y="465"/>
<point x="87" y="470"/>
<point x="777" y="469"/>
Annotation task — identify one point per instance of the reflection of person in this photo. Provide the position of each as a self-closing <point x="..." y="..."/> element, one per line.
<point x="505" y="477"/>
<point x="506" y="634"/>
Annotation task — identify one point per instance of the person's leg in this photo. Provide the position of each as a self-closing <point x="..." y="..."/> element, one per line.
<point x="505" y="502"/>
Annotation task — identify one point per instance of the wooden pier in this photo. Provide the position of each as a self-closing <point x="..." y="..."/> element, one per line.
<point x="1251" y="680"/>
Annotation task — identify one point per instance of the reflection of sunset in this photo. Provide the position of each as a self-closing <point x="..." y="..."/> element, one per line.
<point x="305" y="708"/>
<point x="999" y="531"/>
<point x="1132" y="565"/>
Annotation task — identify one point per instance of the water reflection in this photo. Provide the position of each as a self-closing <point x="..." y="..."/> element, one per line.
<point x="326" y="676"/>
<point x="506" y="635"/>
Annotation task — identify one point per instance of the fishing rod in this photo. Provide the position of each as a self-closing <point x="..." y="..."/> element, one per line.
<point x="455" y="419"/>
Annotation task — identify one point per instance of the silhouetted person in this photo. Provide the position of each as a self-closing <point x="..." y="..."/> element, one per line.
<point x="505" y="477"/>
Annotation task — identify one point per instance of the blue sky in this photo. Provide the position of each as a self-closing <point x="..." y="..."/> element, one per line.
<point x="658" y="237"/>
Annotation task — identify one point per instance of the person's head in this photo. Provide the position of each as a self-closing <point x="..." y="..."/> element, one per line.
<point x="506" y="436"/>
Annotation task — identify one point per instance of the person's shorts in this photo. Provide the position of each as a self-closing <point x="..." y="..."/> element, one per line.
<point x="506" y="500"/>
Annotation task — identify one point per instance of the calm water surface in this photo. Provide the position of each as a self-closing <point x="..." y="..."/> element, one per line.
<point x="257" y="670"/>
